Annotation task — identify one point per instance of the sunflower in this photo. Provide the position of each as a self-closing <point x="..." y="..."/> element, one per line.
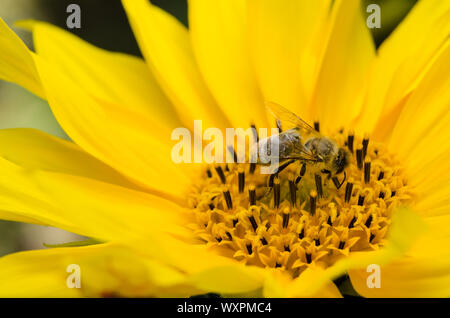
<point x="158" y="228"/>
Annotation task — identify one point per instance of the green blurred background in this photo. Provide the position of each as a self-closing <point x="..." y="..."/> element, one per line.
<point x="103" y="23"/>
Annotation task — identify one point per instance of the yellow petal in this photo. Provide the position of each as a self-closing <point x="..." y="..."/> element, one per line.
<point x="128" y="141"/>
<point x="427" y="110"/>
<point x="427" y="278"/>
<point x="300" y="286"/>
<point x="421" y="134"/>
<point x="182" y="254"/>
<point x="402" y="60"/>
<point x="342" y="78"/>
<point x="220" y="43"/>
<point x="16" y="62"/>
<point x="86" y="206"/>
<point x="18" y="217"/>
<point x="35" y="274"/>
<point x="282" y="36"/>
<point x="231" y="279"/>
<point x="206" y="268"/>
<point x="434" y="199"/>
<point x="33" y="149"/>
<point x="112" y="269"/>
<point x="105" y="270"/>
<point x="423" y="32"/>
<point x="114" y="77"/>
<point x="281" y="285"/>
<point x="422" y="272"/>
<point x="166" y="47"/>
<point x="274" y="285"/>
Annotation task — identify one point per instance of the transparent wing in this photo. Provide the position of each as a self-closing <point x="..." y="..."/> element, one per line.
<point x="289" y="120"/>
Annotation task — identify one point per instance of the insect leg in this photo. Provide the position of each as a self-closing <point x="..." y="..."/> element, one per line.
<point x="302" y="173"/>
<point x="279" y="169"/>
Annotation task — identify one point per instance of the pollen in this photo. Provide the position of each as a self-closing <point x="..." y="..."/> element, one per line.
<point x="304" y="218"/>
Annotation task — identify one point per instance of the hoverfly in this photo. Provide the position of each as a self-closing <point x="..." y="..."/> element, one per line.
<point x="300" y="142"/>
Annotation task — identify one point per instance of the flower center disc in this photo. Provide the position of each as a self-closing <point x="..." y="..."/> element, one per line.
<point x="305" y="218"/>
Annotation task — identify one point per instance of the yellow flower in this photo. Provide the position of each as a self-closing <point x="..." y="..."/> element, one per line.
<point x="165" y="229"/>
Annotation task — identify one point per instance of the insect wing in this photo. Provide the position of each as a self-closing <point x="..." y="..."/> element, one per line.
<point x="289" y="120"/>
